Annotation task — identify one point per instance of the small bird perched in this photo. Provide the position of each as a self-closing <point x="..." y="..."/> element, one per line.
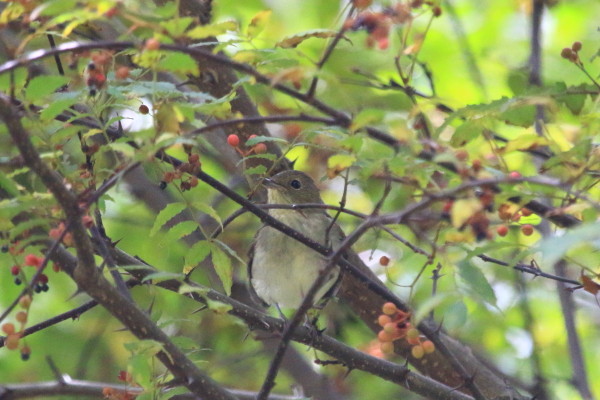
<point x="281" y="270"/>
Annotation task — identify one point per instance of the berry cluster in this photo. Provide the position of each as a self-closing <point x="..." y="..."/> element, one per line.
<point x="41" y="284"/>
<point x="396" y="325"/>
<point x="506" y="213"/>
<point x="572" y="54"/>
<point x="13" y="337"/>
<point x="191" y="167"/>
<point x="234" y="141"/>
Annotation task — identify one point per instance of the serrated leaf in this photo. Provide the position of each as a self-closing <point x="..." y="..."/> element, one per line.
<point x="556" y="247"/>
<point x="476" y="281"/>
<point x="258" y="23"/>
<point x="229" y="250"/>
<point x="204" y="31"/>
<point x="180" y="230"/>
<point x="165" y="216"/>
<point x="465" y="133"/>
<point x="206" y="209"/>
<point x="178" y="62"/>
<point x="463" y="209"/>
<point x="341" y="161"/>
<point x="258" y="170"/>
<point x="44" y="85"/>
<point x="199" y="251"/>
<point x="163" y="276"/>
<point x="295" y="40"/>
<point x="261" y="139"/>
<point x="222" y="265"/>
<point x="523" y="116"/>
<point x="525" y="142"/>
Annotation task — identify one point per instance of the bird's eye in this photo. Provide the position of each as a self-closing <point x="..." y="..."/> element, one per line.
<point x="295" y="184"/>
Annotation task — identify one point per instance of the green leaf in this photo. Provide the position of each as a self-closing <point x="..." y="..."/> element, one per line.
<point x="165" y="216"/>
<point x="258" y="170"/>
<point x="26" y="225"/>
<point x="177" y="26"/>
<point x="260" y="139"/>
<point x="199" y="251"/>
<point x="180" y="230"/>
<point x="466" y="132"/>
<point x="556" y="247"/>
<point x="206" y="209"/>
<point x="9" y="185"/>
<point x="476" y="281"/>
<point x="455" y="316"/>
<point x="523" y="116"/>
<point x="431" y="304"/>
<point x="44" y="85"/>
<point x="56" y="107"/>
<point x="222" y="265"/>
<point x="179" y="62"/>
<point x="163" y="276"/>
<point x="204" y="31"/>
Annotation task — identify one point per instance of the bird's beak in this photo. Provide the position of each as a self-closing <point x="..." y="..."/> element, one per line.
<point x="271" y="184"/>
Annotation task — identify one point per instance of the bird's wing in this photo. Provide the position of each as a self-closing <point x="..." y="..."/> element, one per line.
<point x="253" y="295"/>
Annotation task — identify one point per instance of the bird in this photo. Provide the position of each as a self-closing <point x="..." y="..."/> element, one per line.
<point x="281" y="270"/>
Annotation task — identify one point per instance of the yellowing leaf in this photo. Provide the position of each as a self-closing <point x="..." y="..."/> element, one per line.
<point x="342" y="161"/>
<point x="295" y="40"/>
<point x="258" y="23"/>
<point x="204" y="31"/>
<point x="463" y="209"/>
<point x="525" y="142"/>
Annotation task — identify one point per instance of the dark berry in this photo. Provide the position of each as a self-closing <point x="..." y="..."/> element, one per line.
<point x="25" y="356"/>
<point x="162" y="185"/>
<point x="17" y="281"/>
<point x="5" y="249"/>
<point x="37" y="289"/>
<point x="45" y="288"/>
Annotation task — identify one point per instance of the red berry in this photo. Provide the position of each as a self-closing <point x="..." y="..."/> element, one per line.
<point x="193" y="158"/>
<point x="233" y="140"/>
<point x="14" y="270"/>
<point x="31" y="260"/>
<point x="88" y="221"/>
<point x="526" y="212"/>
<point x="515" y="174"/>
<point x="152" y="44"/>
<point x="193" y="181"/>
<point x="527" y="229"/>
<point x="260" y="148"/>
<point x="43" y="279"/>
<point x="502" y="230"/>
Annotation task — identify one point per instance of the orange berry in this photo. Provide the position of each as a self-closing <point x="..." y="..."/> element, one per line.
<point x="502" y="230"/>
<point x="526" y="212"/>
<point x="418" y="352"/>
<point x="516" y="217"/>
<point x="12" y="341"/>
<point x="384" y="261"/>
<point x="391" y="328"/>
<point x="576" y="46"/>
<point x="25" y="301"/>
<point x="477" y="165"/>
<point x="152" y="44"/>
<point x="122" y="73"/>
<point x="168" y="177"/>
<point x="55" y="267"/>
<point x="527" y="229"/>
<point x="384" y="320"/>
<point x="233" y="140"/>
<point x="389" y="308"/>
<point x="193" y="181"/>
<point x="193" y="158"/>
<point x="387" y="347"/>
<point x="462" y="155"/>
<point x="21" y="317"/>
<point x="8" y="328"/>
<point x="428" y="346"/>
<point x="260" y="148"/>
<point x="383" y="336"/>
